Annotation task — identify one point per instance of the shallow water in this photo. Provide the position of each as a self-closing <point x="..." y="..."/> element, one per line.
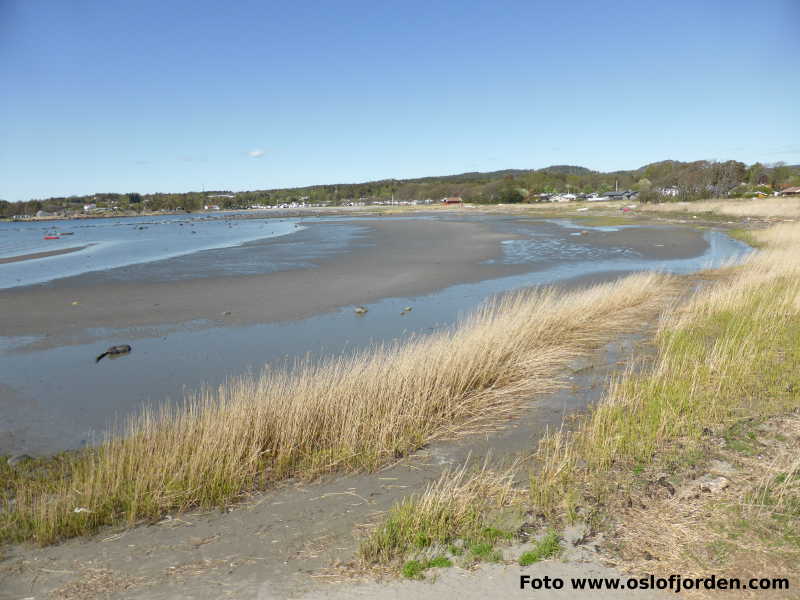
<point x="115" y="243"/>
<point x="58" y="398"/>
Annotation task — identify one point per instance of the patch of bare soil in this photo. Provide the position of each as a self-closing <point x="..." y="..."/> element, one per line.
<point x="97" y="583"/>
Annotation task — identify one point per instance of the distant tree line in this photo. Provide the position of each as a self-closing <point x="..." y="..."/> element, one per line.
<point x="688" y="181"/>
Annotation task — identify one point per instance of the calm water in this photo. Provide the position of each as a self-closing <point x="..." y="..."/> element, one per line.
<point x="52" y="399"/>
<point x="115" y="243"/>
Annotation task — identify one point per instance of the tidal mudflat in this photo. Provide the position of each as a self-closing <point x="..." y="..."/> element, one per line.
<point x="196" y="318"/>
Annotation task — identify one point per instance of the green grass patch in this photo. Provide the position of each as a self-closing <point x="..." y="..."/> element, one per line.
<point x="412" y="569"/>
<point x="746" y="236"/>
<point x="485" y="552"/>
<point x="415" y="569"/>
<point x="548" y="547"/>
<point x="461" y="508"/>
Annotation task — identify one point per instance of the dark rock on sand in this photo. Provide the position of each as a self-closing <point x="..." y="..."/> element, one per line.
<point x="114" y="351"/>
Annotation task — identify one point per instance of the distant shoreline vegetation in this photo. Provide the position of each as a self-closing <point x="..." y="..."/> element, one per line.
<point x="661" y="181"/>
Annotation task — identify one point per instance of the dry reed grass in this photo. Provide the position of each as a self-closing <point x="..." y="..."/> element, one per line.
<point x="773" y="208"/>
<point x="749" y="529"/>
<point x="352" y="412"/>
<point x="728" y="357"/>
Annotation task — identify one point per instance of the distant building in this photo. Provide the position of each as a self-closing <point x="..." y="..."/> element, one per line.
<point x="791" y="191"/>
<point x="452" y="200"/>
<point x="669" y="191"/>
<point x="88" y="207"/>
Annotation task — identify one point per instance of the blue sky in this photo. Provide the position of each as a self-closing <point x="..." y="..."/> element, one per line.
<point x="113" y="95"/>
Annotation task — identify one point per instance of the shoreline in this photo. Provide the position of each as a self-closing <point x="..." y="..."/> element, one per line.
<point x="297" y="516"/>
<point x="45" y="254"/>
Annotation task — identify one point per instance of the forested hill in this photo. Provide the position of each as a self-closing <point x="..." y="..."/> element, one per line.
<point x="687" y="180"/>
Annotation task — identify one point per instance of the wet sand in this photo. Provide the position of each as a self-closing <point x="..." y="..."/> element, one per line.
<point x="397" y="257"/>
<point x="35" y="255"/>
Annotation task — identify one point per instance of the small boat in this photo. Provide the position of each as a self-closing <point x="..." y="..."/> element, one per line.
<point x="52" y="237"/>
<point x="67" y="233"/>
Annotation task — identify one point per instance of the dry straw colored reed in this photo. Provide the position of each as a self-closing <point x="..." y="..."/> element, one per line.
<point x="350" y="412"/>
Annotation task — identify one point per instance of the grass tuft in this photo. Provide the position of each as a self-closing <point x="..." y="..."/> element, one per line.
<point x="460" y="505"/>
<point x="548" y="547"/>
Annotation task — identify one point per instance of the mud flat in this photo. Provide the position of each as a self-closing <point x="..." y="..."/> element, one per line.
<point x="393" y="258"/>
<point x="396" y="258"/>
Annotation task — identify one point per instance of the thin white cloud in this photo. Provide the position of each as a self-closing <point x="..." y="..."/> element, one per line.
<point x="257" y="153"/>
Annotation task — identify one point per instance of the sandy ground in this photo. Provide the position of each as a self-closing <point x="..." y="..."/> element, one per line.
<point x="495" y="581"/>
<point x="412" y="258"/>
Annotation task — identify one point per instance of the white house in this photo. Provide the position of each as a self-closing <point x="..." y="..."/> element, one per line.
<point x="669" y="191"/>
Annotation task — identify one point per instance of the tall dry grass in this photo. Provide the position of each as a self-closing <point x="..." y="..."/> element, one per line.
<point x="352" y="412"/>
<point x="732" y="352"/>
<point x="775" y="208"/>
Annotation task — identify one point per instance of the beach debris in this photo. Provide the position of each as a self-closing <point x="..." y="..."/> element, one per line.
<point x="16" y="459"/>
<point x="114" y="351"/>
<point x="360" y="310"/>
<point x="81" y="509"/>
<point x="707" y="483"/>
<point x="714" y="485"/>
<point x="584" y="209"/>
